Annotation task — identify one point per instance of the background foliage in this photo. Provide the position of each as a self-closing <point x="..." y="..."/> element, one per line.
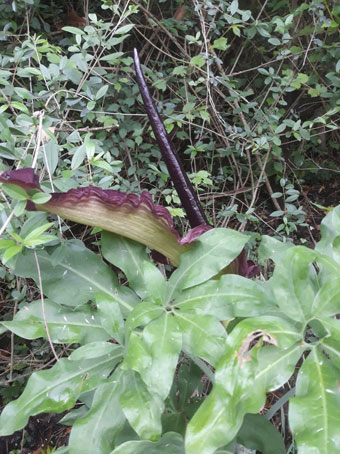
<point x="249" y="92"/>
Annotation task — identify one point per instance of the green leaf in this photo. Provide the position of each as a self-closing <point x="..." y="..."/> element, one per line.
<point x="330" y="235"/>
<point x="233" y="7"/>
<point x="58" y="388"/>
<point x="270" y="248"/>
<point x="40" y="197"/>
<point x="331" y="342"/>
<point x="43" y="239"/>
<point x="327" y="300"/>
<point x="19" y="208"/>
<point x="11" y="252"/>
<point x="130" y="257"/>
<point x="205" y="115"/>
<point x="203" y="335"/>
<point x="280" y="128"/>
<point x="110" y="316"/>
<point x="137" y="357"/>
<point x="243" y="376"/>
<point x="220" y="43"/>
<point x="15" y="192"/>
<point x="3" y="108"/>
<point x="212" y="251"/>
<point x="163" y="339"/>
<point x="97" y="430"/>
<point x="4" y="244"/>
<point x="143" y="314"/>
<point x="198" y="60"/>
<point x="179" y="70"/>
<point x="38" y="231"/>
<point x="124" y="29"/>
<point x="78" y="157"/>
<point x="228" y="297"/>
<point x="65" y="325"/>
<point x="112" y="58"/>
<point x="142" y="408"/>
<point x="102" y="92"/>
<point x="170" y="443"/>
<point x="73" y="30"/>
<point x="314" y="415"/>
<point x="274" y="41"/>
<point x="20" y="106"/>
<point x="294" y="283"/>
<point x="257" y="433"/>
<point x="73" y="275"/>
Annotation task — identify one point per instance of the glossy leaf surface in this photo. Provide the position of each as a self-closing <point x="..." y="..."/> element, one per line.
<point x="212" y="252"/>
<point x="96" y="431"/>
<point x="203" y="335"/>
<point x="163" y="339"/>
<point x="242" y="378"/>
<point x="72" y="275"/>
<point x="142" y="408"/>
<point x="170" y="443"/>
<point x="81" y="325"/>
<point x="58" y="388"/>
<point x="230" y="296"/>
<point x="314" y="413"/>
<point x="257" y="433"/>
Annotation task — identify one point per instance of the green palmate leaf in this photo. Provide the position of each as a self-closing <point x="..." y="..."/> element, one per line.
<point x="170" y="443"/>
<point x="110" y="316"/>
<point x="155" y="282"/>
<point x="314" y="414"/>
<point x="130" y="257"/>
<point x="57" y="389"/>
<point x="203" y="335"/>
<point x="143" y="314"/>
<point x="142" y="408"/>
<point x="72" y="275"/>
<point x="137" y="357"/>
<point x="230" y="296"/>
<point x="97" y="430"/>
<point x="295" y="283"/>
<point x="327" y="300"/>
<point x="243" y="376"/>
<point x="212" y="251"/>
<point x="155" y="356"/>
<point x="331" y="343"/>
<point x="270" y="248"/>
<point x="259" y="434"/>
<point x="330" y="235"/>
<point x="163" y="339"/>
<point x="81" y="325"/>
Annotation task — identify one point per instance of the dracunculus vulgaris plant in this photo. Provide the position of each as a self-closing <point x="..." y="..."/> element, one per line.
<point x="135" y="217"/>
<point x="134" y="340"/>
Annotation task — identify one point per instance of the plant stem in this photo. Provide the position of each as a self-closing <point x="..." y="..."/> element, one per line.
<point x="178" y="175"/>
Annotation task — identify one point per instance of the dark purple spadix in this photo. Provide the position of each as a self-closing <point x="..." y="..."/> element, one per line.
<point x="180" y="180"/>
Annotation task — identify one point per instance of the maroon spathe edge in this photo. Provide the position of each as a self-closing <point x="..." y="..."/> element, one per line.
<point x="112" y="199"/>
<point x="27" y="179"/>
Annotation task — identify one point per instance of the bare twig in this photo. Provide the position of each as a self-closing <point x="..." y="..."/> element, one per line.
<point x="43" y="307"/>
